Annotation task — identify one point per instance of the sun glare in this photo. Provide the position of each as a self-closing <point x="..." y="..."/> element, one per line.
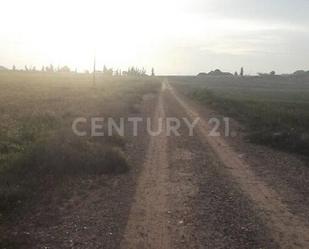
<point x="169" y="35"/>
<point x="119" y="33"/>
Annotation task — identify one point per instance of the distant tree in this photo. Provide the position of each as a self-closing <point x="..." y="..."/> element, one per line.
<point x="152" y="72"/>
<point x="236" y="74"/>
<point x="117" y="72"/>
<point x="64" y="69"/>
<point x="272" y="73"/>
<point x="218" y="72"/>
<point x="49" y="68"/>
<point x="143" y="72"/>
<point x="242" y="72"/>
<point x="14" y="68"/>
<point x="105" y="70"/>
<point x="300" y="72"/>
<point x="26" y="68"/>
<point x="134" y="71"/>
<point x="43" y="69"/>
<point x="108" y="71"/>
<point x="202" y="74"/>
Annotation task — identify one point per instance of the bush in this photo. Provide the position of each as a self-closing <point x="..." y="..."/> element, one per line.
<point x="69" y="154"/>
<point x="53" y="158"/>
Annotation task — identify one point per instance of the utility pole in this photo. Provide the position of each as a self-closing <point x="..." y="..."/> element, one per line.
<point x="94" y="64"/>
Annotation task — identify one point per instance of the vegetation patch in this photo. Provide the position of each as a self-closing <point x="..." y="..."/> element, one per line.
<point x="38" y="149"/>
<point x="280" y="124"/>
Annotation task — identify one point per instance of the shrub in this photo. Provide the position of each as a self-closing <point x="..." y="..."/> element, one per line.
<point x="68" y="154"/>
<point x="55" y="157"/>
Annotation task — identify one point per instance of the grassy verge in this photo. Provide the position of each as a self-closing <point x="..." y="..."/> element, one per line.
<point x="37" y="146"/>
<point x="280" y="124"/>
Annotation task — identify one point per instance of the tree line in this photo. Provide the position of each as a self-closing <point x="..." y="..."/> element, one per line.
<point x="131" y="71"/>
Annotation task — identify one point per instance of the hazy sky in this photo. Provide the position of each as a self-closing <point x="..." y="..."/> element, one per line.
<point x="175" y="37"/>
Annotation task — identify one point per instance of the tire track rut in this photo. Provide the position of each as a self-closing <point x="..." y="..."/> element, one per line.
<point x="147" y="226"/>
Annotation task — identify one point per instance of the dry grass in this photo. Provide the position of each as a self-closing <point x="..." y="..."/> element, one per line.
<point x="36" y="140"/>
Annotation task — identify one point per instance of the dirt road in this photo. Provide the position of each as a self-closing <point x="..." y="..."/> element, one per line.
<point x="196" y="192"/>
<point x="147" y="224"/>
<point x="182" y="192"/>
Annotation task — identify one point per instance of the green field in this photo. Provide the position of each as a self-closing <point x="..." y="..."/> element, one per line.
<point x="275" y="110"/>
